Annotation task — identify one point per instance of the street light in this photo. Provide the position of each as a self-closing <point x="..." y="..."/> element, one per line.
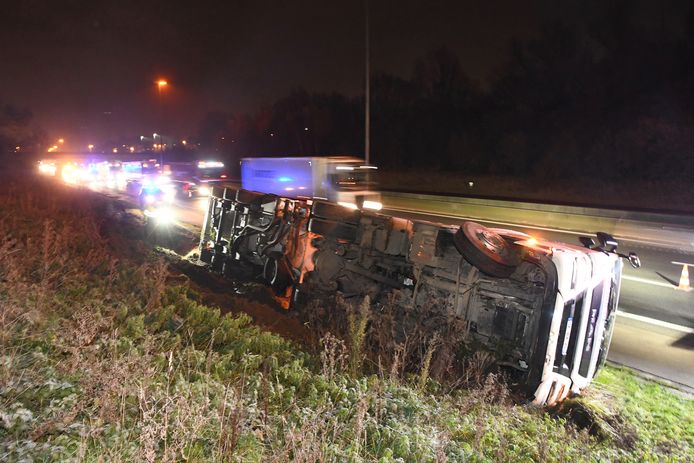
<point x="90" y="147"/>
<point x="161" y="140"/>
<point x="61" y="141"/>
<point x="161" y="85"/>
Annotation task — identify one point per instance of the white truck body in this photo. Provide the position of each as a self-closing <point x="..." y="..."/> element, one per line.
<point x="345" y="180"/>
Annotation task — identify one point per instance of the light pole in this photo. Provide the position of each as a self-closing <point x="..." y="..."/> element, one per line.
<point x="367" y="102"/>
<point x="161" y="141"/>
<point x="162" y="84"/>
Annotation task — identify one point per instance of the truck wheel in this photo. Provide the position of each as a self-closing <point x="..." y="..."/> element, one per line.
<point x="486" y="250"/>
<point x="511" y="235"/>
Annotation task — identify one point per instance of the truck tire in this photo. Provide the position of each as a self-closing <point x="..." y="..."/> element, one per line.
<point x="486" y="250"/>
<point x="511" y="235"/>
<point x="331" y="211"/>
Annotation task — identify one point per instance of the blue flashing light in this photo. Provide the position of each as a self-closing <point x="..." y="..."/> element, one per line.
<point x="149" y="188"/>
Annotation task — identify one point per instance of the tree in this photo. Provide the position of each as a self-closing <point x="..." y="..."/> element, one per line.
<point x="17" y="129"/>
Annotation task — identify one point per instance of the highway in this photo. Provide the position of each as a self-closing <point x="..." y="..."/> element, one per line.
<point x="655" y="328"/>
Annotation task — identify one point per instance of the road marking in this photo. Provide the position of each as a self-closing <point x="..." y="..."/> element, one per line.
<point x="534" y="227"/>
<point x="647" y="281"/>
<point x="653" y="321"/>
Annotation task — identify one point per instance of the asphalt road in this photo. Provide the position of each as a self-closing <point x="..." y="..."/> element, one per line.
<point x="655" y="328"/>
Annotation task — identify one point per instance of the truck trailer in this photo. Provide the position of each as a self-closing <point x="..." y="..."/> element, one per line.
<point x="345" y="180"/>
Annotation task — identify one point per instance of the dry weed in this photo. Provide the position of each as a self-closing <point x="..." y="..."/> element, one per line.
<point x="357" y="331"/>
<point x="426" y="363"/>
<point x="333" y="356"/>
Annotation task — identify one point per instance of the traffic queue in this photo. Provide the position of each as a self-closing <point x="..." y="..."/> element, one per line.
<point x="155" y="185"/>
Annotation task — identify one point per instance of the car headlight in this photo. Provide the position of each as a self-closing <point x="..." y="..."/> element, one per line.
<point x="169" y="195"/>
<point x="165" y="215"/>
<point x="204" y="191"/>
<point x="162" y="215"/>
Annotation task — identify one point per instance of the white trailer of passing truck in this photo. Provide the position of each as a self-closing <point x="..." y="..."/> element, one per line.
<point x="345" y="180"/>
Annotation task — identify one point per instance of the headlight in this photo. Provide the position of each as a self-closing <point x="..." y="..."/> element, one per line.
<point x="165" y="215"/>
<point x="149" y="199"/>
<point x="162" y="215"/>
<point x="375" y="205"/>
<point x="161" y="180"/>
<point x="204" y="191"/>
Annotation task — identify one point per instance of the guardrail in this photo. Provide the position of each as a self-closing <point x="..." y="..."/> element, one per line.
<point x="662" y="230"/>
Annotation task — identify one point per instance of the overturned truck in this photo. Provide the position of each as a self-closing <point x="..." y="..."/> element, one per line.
<point x="545" y="309"/>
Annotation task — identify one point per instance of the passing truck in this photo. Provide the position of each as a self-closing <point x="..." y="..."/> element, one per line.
<point x="545" y="310"/>
<point x="345" y="180"/>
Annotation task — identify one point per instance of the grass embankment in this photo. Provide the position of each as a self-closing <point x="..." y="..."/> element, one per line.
<point x="104" y="359"/>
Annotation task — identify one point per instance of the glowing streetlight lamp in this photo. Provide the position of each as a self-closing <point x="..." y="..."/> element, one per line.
<point x="61" y="141"/>
<point x="162" y="84"/>
<point x="90" y="147"/>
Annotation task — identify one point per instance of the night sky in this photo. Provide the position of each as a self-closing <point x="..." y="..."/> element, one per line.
<point x="87" y="68"/>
